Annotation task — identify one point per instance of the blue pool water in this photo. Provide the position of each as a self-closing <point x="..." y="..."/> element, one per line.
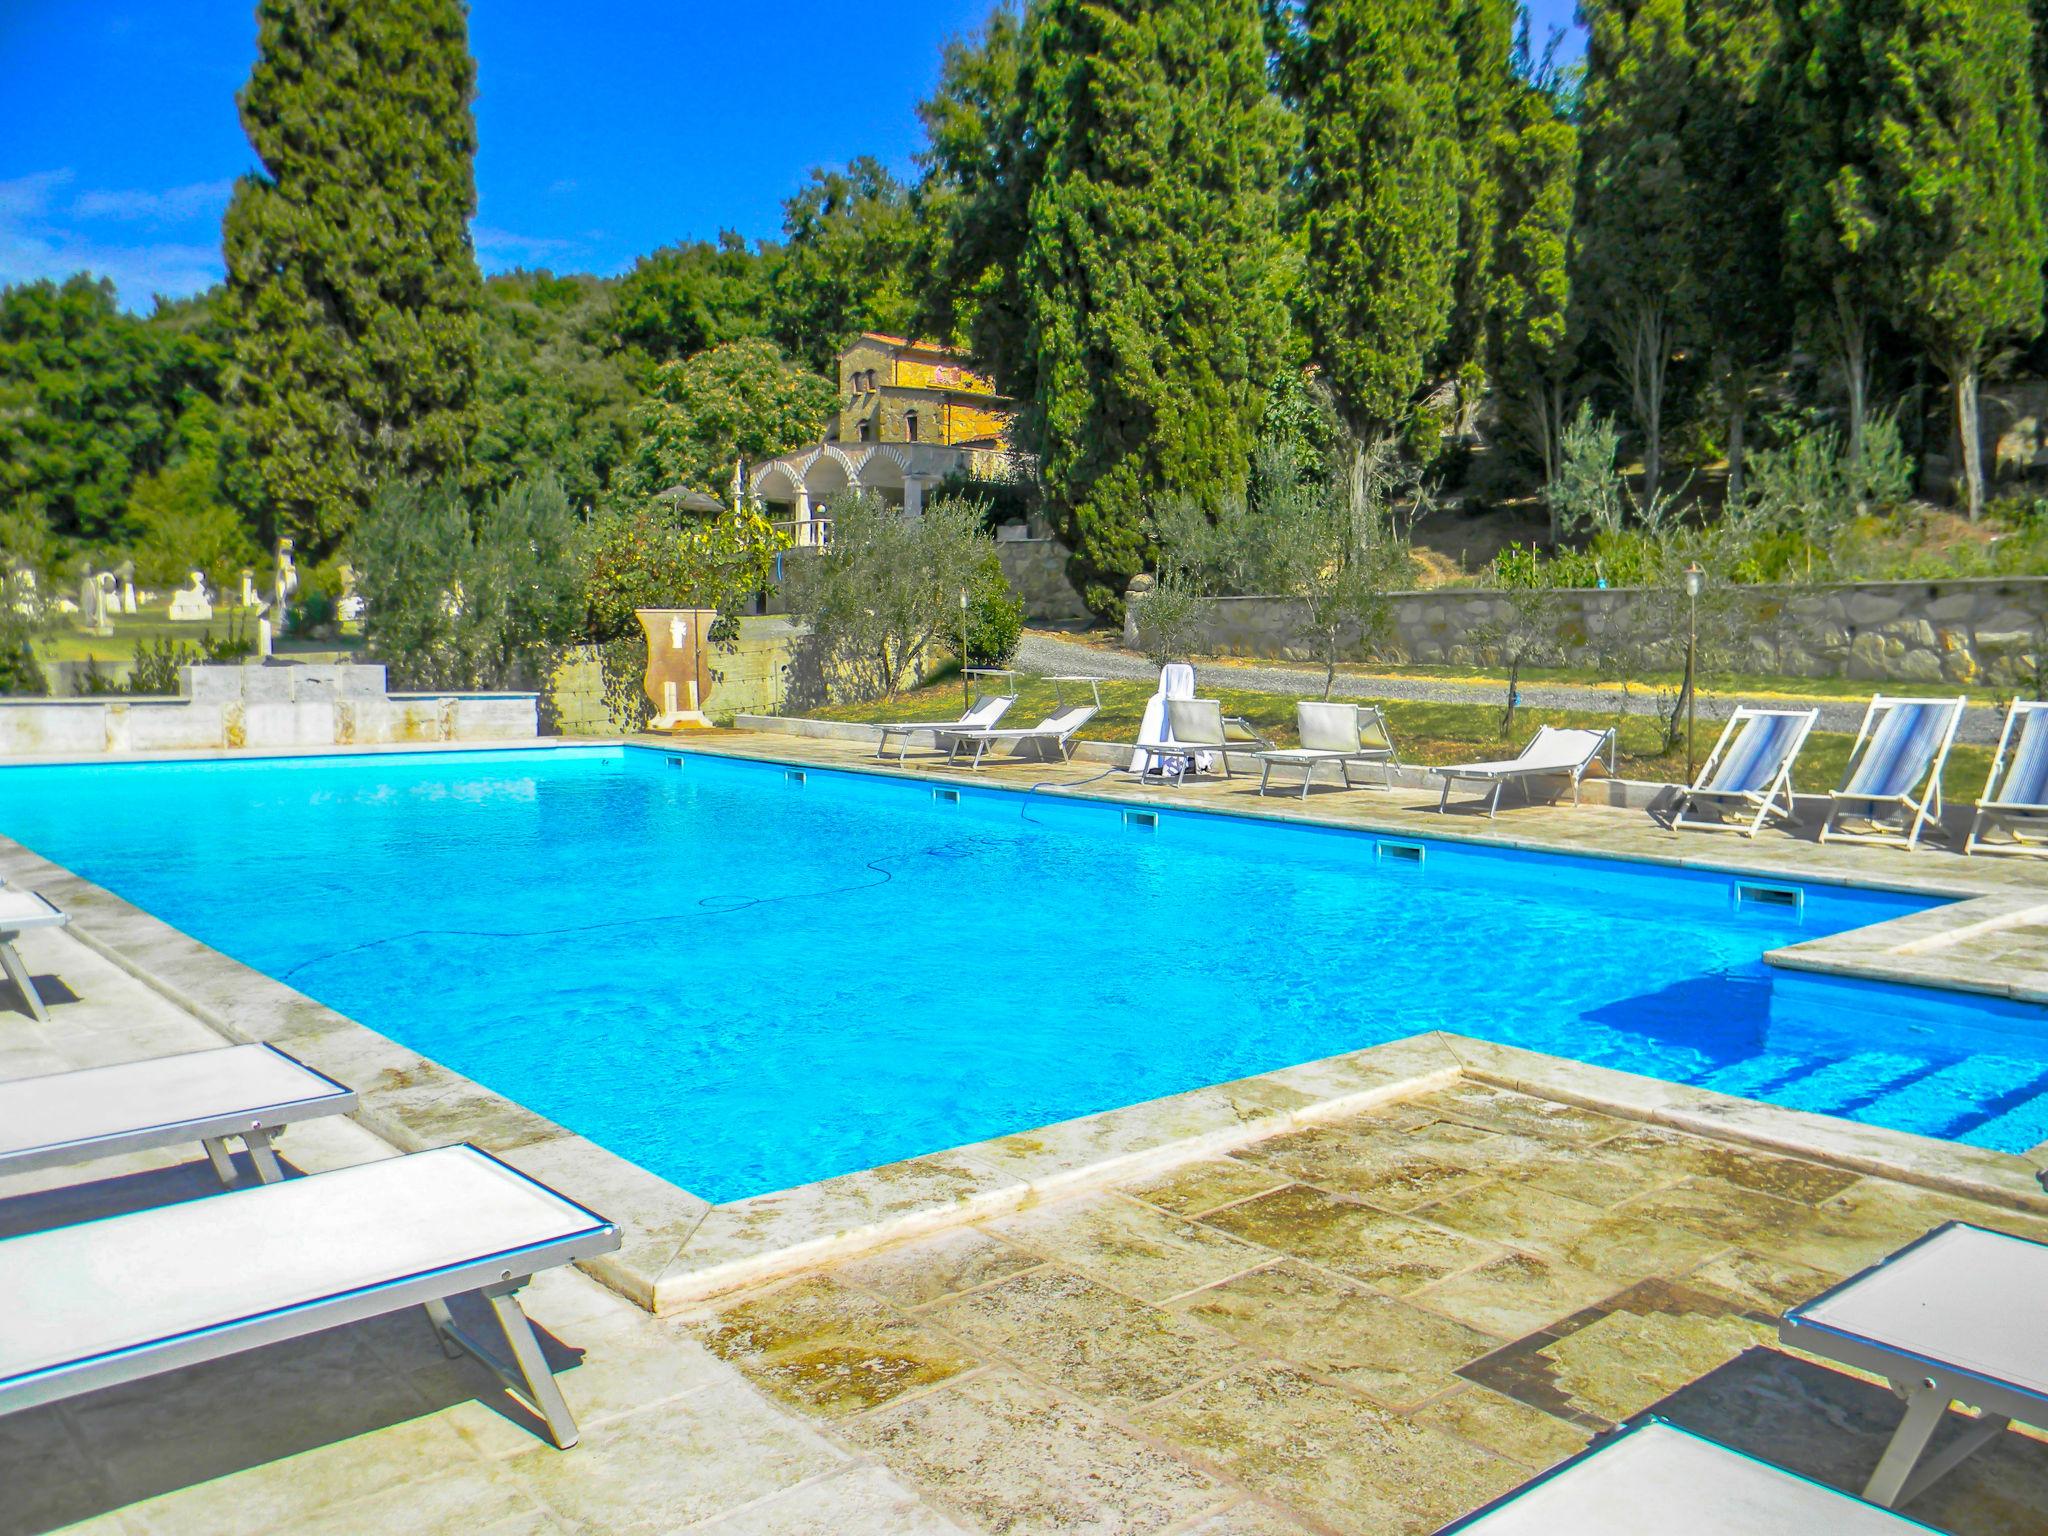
<point x="744" y="979"/>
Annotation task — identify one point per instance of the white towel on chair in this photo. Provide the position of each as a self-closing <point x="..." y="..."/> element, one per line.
<point x="1176" y="681"/>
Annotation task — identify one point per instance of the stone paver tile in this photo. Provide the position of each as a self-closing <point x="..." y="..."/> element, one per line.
<point x="1764" y="1281"/>
<point x="1897" y="1213"/>
<point x="1523" y="1114"/>
<point x="1089" y="1340"/>
<point x="1715" y="1208"/>
<point x="1790" y="1178"/>
<point x="1393" y="1253"/>
<point x="829" y="1349"/>
<point x="1505" y="1427"/>
<point x="2003" y="1488"/>
<point x="1517" y="1293"/>
<point x="474" y="1501"/>
<point x="1627" y="1247"/>
<point x="1011" y="1457"/>
<point x="1140" y="1251"/>
<point x="686" y="1461"/>
<point x="1516" y="1215"/>
<point x="1397" y="1172"/>
<point x="1395" y="1353"/>
<point x="1329" y="1456"/>
<point x="1590" y="1177"/>
<point x="936" y="1267"/>
<point x="1627" y="1361"/>
<point x="1200" y="1187"/>
<point x="49" y="1481"/>
<point x="1246" y="1519"/>
<point x="862" y="1501"/>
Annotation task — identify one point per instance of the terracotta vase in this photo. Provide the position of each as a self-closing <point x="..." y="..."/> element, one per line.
<point x="678" y="665"/>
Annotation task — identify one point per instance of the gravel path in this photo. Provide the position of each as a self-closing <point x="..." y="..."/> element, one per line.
<point x="1043" y="653"/>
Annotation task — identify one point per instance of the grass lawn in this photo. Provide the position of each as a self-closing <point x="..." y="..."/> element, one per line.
<point x="1425" y="733"/>
<point x="147" y="627"/>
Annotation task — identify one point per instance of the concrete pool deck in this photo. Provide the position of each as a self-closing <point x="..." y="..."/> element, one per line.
<point x="1361" y="1294"/>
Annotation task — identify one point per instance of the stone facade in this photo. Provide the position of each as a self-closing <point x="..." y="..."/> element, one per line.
<point x="1037" y="569"/>
<point x="258" y="706"/>
<point x="1989" y="631"/>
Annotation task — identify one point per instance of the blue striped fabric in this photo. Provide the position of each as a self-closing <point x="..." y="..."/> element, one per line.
<point x="1757" y="755"/>
<point x="2026" y="780"/>
<point x="1899" y="750"/>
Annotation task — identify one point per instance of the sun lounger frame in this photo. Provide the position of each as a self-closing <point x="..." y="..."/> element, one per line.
<point x="2026" y="823"/>
<point x="1914" y="815"/>
<point x="1060" y="736"/>
<point x="1775" y="803"/>
<point x="257" y="1125"/>
<point x="1927" y="1385"/>
<point x="40" y="912"/>
<point x="496" y="1277"/>
<point x="1173" y="759"/>
<point x="1500" y="775"/>
<point x="905" y="729"/>
<point x="1308" y="759"/>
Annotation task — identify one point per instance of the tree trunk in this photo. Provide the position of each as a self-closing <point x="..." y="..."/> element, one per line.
<point x="1738" y="418"/>
<point x="1643" y="344"/>
<point x="1854" y="335"/>
<point x="1967" y="428"/>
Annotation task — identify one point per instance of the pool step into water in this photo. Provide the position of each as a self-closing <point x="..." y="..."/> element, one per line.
<point x="1843" y="1085"/>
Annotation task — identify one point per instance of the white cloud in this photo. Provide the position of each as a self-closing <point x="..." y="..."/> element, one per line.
<point x="32" y="246"/>
<point x="173" y="205"/>
<point x="561" y="188"/>
<point x="499" y="247"/>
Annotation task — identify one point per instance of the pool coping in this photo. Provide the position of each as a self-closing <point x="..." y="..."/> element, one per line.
<point x="680" y="1248"/>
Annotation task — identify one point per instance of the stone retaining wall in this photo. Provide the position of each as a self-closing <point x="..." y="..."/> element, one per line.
<point x="263" y="706"/>
<point x="1037" y="568"/>
<point x="1992" y="631"/>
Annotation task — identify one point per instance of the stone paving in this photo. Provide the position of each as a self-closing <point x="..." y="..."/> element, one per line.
<point x="1369" y="1325"/>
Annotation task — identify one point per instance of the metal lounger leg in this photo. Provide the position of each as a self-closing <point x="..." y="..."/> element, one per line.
<point x="258" y="1142"/>
<point x="223" y="1161"/>
<point x="1925" y="1405"/>
<point x="1967" y="1444"/>
<point x="446" y="1334"/>
<point x="1265" y="777"/>
<point x="533" y="1366"/>
<point x="10" y="960"/>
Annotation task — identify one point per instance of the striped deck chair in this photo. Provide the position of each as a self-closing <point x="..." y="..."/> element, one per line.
<point x="1747" y="778"/>
<point x="1893" y="791"/>
<point x="2016" y="793"/>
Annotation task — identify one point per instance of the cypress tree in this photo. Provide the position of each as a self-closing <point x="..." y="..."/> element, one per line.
<point x="1483" y="45"/>
<point x="1633" y="244"/>
<point x="1728" y="144"/>
<point x="1148" y="273"/>
<point x="1957" y="164"/>
<point x="1381" y="175"/>
<point x="351" y="282"/>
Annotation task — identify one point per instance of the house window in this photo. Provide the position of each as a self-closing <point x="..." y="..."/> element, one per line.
<point x="866" y="428"/>
<point x="910" y="424"/>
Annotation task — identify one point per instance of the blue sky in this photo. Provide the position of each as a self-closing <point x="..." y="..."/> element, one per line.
<point x="604" y="130"/>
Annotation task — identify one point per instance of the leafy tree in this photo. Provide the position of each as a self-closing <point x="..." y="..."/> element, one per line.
<point x="848" y="237"/>
<point x="1147" y="279"/>
<point x="351" y="280"/>
<point x="1633" y="265"/>
<point x="1585" y="495"/>
<point x="742" y="401"/>
<point x="550" y="398"/>
<point x="685" y="298"/>
<point x="1531" y="322"/>
<point x="1728" y="143"/>
<point x="972" y="200"/>
<point x="885" y="593"/>
<point x="644" y="559"/>
<point x="1957" y="165"/>
<point x="1382" y="173"/>
<point x="455" y="599"/>
<point x="1526" y="629"/>
<point x="995" y="615"/>
<point x="89" y="400"/>
<point x="1483" y="44"/>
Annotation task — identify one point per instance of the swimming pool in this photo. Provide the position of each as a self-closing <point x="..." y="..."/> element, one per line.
<point x="744" y="976"/>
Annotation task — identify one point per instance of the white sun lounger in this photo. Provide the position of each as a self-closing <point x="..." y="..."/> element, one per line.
<point x="1748" y="775"/>
<point x="247" y="1091"/>
<point x="1552" y="753"/>
<point x="1057" y="729"/>
<point x="19" y="912"/>
<point x="1961" y="1315"/>
<point x="2016" y="792"/>
<point x="1339" y="734"/>
<point x="1656" y="1477"/>
<point x="125" y="1298"/>
<point x="984" y="713"/>
<point x="1894" y="782"/>
<point x="1198" y="736"/>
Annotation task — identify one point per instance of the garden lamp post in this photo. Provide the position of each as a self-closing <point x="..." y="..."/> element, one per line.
<point x="966" y="703"/>
<point x="1695" y="578"/>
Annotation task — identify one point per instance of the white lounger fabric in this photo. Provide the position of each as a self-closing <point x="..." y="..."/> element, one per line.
<point x="1552" y="751"/>
<point x="70" y="1116"/>
<point x="1176" y="681"/>
<point x="2016" y="790"/>
<point x="1659" y="1479"/>
<point x="78" y="1294"/>
<point x="982" y="714"/>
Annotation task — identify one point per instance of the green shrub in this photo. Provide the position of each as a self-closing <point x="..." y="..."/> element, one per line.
<point x="995" y="616"/>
